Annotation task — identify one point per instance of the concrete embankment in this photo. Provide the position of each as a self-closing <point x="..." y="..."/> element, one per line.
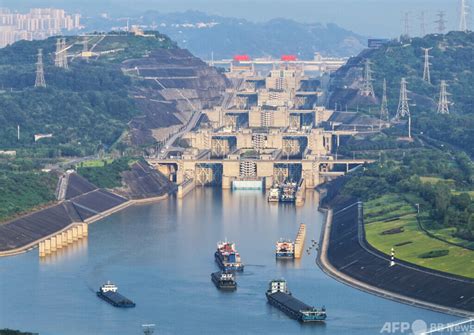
<point x="84" y="204"/>
<point x="346" y="256"/>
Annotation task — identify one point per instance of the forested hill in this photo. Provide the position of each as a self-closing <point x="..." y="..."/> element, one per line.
<point x="452" y="60"/>
<point x="206" y="34"/>
<point x="85" y="107"/>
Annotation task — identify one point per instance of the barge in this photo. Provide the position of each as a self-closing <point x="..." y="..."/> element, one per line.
<point x="108" y="292"/>
<point x="285" y="249"/>
<point x="224" y="280"/>
<point x="279" y="296"/>
<point x="227" y="257"/>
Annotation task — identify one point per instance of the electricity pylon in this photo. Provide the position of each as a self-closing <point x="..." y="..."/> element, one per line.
<point x="367" y="87"/>
<point x="39" y="81"/>
<point x="441" y="22"/>
<point x="403" y="109"/>
<point x="384" y="113"/>
<point x="443" y="103"/>
<point x="426" y="68"/>
<point x="463" y="12"/>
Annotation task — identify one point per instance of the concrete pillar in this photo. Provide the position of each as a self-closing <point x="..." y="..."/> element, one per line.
<point x="53" y="243"/>
<point x="85" y="229"/>
<point x="74" y="233"/>
<point x="64" y="238"/>
<point x="41" y="249"/>
<point x="47" y="247"/>
<point x="69" y="236"/>
<point x="59" y="241"/>
<point x="268" y="182"/>
<point x="79" y="231"/>
<point x="226" y="182"/>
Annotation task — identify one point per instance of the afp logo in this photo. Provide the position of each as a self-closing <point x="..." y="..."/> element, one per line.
<point x="417" y="327"/>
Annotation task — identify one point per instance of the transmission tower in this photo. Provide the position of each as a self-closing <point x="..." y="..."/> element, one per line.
<point x="443" y="104"/>
<point x="40" y="82"/>
<point x="57" y="55"/>
<point x="64" y="54"/>
<point x="367" y="87"/>
<point x="384" y="114"/>
<point x="406" y="25"/>
<point x="422" y="24"/>
<point x="403" y="106"/>
<point x="441" y="22"/>
<point x="60" y="56"/>
<point x="464" y="11"/>
<point x="426" y="68"/>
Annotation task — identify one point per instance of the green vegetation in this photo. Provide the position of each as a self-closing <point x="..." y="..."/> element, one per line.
<point x="23" y="190"/>
<point x="434" y="253"/>
<point x="452" y="61"/>
<point x="107" y="175"/>
<point x="412" y="244"/>
<point x="85" y="108"/>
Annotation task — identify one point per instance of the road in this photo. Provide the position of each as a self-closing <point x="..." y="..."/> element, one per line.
<point x="192" y="122"/>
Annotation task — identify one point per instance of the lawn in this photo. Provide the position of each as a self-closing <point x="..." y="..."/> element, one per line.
<point x="96" y="162"/>
<point x="459" y="260"/>
<point x="435" y="180"/>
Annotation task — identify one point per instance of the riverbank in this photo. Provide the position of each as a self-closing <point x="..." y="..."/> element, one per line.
<point x="84" y="203"/>
<point x="345" y="257"/>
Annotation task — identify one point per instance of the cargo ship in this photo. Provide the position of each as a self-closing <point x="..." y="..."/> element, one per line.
<point x="285" y="249"/>
<point x="108" y="292"/>
<point x="224" y="280"/>
<point x="288" y="192"/>
<point x="274" y="194"/>
<point x="279" y="296"/>
<point x="227" y="257"/>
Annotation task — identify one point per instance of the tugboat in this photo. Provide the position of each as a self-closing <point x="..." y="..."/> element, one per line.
<point x="224" y="280"/>
<point x="108" y="292"/>
<point x="279" y="296"/>
<point x="227" y="257"/>
<point x="285" y="249"/>
<point x="274" y="194"/>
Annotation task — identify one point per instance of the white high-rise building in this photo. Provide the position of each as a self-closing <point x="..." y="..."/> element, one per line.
<point x="38" y="23"/>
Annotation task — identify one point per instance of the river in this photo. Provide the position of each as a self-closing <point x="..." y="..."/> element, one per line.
<point x="161" y="256"/>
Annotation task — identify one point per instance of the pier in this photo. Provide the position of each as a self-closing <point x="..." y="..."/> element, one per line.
<point x="63" y="239"/>
<point x="299" y="241"/>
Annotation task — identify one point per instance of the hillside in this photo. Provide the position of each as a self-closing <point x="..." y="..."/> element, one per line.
<point x="452" y="61"/>
<point x="97" y="101"/>
<point x="204" y="34"/>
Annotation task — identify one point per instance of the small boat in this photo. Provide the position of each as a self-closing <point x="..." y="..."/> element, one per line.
<point x="224" y="280"/>
<point x="108" y="292"/>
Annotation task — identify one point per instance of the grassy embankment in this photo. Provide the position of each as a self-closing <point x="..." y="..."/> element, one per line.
<point x="391" y="223"/>
<point x="105" y="173"/>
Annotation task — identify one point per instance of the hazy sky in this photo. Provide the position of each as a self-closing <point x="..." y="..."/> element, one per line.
<point x="369" y="17"/>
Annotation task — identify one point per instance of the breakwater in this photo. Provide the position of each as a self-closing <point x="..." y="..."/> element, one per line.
<point x="346" y="256"/>
<point x="63" y="239"/>
<point x="84" y="203"/>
